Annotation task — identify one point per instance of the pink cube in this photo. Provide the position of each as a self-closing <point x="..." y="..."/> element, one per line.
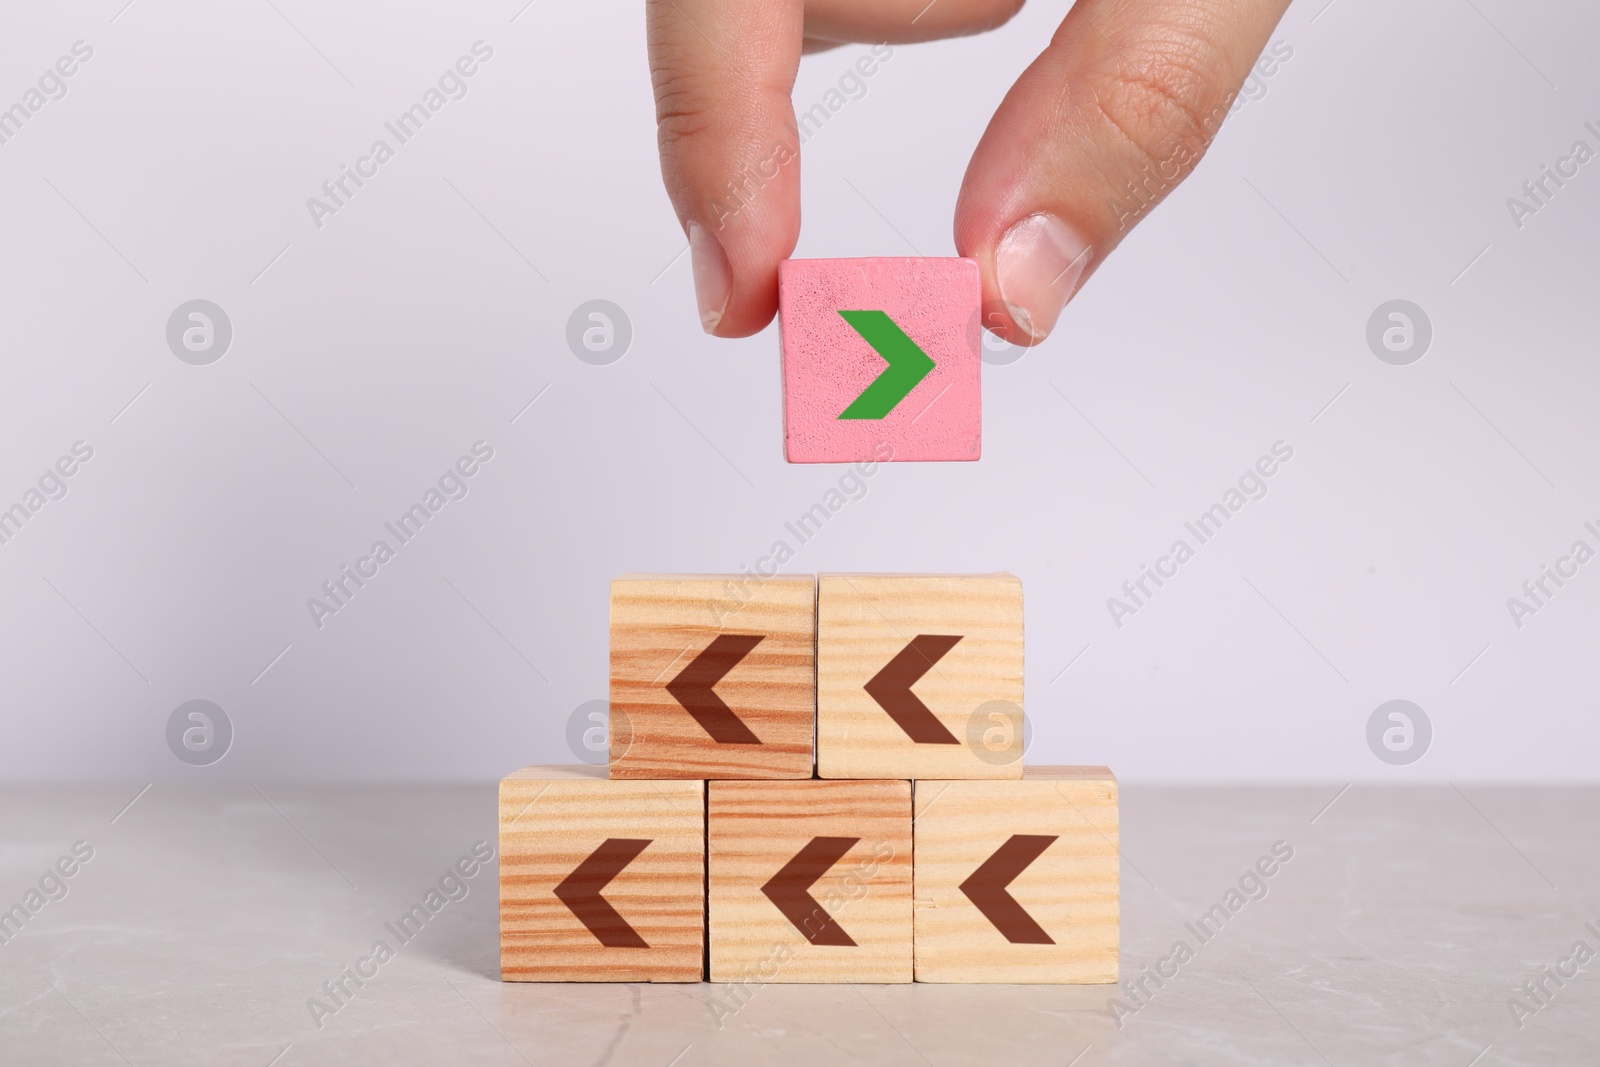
<point x="881" y="359"/>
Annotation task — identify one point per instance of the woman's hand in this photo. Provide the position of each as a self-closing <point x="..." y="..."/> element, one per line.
<point x="1105" y="122"/>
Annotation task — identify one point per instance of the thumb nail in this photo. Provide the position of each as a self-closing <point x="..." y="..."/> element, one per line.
<point x="1037" y="266"/>
<point x="713" y="280"/>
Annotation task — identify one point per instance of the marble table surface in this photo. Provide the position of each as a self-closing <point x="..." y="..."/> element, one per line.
<point x="205" y="924"/>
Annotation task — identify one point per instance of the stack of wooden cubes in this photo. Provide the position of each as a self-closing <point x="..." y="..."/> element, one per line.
<point x="812" y="780"/>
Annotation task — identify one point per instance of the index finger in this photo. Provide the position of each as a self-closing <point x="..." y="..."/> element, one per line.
<point x="723" y="72"/>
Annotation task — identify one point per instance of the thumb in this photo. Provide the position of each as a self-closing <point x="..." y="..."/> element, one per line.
<point x="1114" y="114"/>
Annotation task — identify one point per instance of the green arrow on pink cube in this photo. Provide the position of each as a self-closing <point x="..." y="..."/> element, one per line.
<point x="908" y="365"/>
<point x="881" y="359"/>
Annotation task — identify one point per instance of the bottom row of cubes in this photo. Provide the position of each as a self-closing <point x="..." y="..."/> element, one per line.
<point x="810" y="880"/>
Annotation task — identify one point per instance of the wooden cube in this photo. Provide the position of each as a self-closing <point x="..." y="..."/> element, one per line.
<point x="1017" y="881"/>
<point x="880" y="359"/>
<point x="810" y="881"/>
<point x="600" y="881"/>
<point x="919" y="676"/>
<point x="713" y="676"/>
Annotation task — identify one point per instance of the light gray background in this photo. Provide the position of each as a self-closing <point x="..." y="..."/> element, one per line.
<point x="370" y="353"/>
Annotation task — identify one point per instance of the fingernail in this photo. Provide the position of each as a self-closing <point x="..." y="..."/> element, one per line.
<point x="1037" y="266"/>
<point x="713" y="280"/>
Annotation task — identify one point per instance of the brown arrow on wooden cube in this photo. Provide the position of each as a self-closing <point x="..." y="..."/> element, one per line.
<point x="919" y="676"/>
<point x="809" y="881"/>
<point x="600" y="881"/>
<point x="1017" y="881"/>
<point x="712" y="676"/>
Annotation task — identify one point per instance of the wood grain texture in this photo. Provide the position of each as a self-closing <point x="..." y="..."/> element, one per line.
<point x="756" y="828"/>
<point x="554" y="818"/>
<point x="1070" y="890"/>
<point x="865" y="621"/>
<point x="660" y="624"/>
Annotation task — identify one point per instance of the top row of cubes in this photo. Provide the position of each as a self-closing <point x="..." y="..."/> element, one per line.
<point x="851" y="675"/>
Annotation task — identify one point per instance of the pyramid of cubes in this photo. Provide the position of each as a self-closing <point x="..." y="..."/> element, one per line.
<point x="811" y="779"/>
